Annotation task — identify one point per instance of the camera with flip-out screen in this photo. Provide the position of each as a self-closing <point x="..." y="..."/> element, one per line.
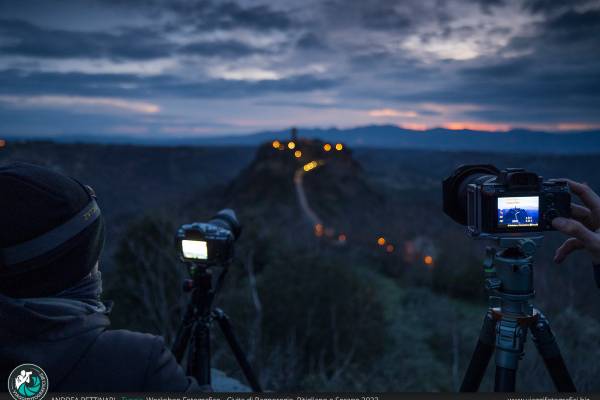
<point x="209" y="243"/>
<point x="513" y="200"/>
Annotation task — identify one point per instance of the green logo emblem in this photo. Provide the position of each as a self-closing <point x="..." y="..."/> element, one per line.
<point x="28" y="382"/>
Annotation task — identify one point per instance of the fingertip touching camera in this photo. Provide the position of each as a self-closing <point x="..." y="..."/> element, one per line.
<point x="492" y="201"/>
<point x="209" y="243"/>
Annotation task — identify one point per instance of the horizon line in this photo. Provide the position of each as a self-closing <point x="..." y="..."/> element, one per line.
<point x="162" y="137"/>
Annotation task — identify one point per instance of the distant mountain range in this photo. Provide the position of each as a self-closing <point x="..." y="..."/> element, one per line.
<point x="389" y="136"/>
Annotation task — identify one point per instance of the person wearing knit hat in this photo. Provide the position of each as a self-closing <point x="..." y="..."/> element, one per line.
<point x="51" y="238"/>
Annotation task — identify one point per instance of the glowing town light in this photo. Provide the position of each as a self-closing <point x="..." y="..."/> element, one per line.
<point x="318" y="230"/>
<point x="310" y="166"/>
<point x="428" y="260"/>
<point x="2" y="143"/>
<point x="291" y="145"/>
<point x="342" y="238"/>
<point x="276" y="144"/>
<point x="297" y="154"/>
<point x="381" y="241"/>
<point x="327" y="147"/>
<point x="339" y="147"/>
<point x="389" y="248"/>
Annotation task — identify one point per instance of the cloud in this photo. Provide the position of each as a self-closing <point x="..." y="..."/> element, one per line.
<point x="51" y="121"/>
<point x="574" y="26"/>
<point x="22" y="38"/>
<point x="245" y="74"/>
<point x="386" y="16"/>
<point x="548" y="73"/>
<point x="525" y="62"/>
<point x="552" y="6"/>
<point x="476" y="126"/>
<point x="415" y="126"/>
<point x="222" y="48"/>
<point x="90" y="103"/>
<point x="513" y="68"/>
<point x="211" y="15"/>
<point x="311" y="41"/>
<point x="488" y="5"/>
<point x="227" y="88"/>
<point x="389" y="112"/>
<point x="13" y="82"/>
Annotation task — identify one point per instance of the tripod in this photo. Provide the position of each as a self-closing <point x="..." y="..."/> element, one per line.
<point x="509" y="281"/>
<point x="195" y="329"/>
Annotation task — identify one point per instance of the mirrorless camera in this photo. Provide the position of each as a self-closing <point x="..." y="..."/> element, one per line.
<point x="512" y="200"/>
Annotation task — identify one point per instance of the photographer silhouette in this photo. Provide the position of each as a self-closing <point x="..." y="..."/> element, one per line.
<point x="50" y="286"/>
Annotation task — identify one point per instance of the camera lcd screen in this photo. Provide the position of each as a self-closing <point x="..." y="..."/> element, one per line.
<point x="516" y="212"/>
<point x="194" y="249"/>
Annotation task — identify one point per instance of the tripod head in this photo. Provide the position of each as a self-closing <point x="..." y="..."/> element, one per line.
<point x="203" y="288"/>
<point x="508" y="271"/>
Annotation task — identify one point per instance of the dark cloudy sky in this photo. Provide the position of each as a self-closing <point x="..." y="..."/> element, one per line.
<point x="179" y="68"/>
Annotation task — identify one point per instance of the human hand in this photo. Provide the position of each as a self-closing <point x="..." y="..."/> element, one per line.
<point x="584" y="227"/>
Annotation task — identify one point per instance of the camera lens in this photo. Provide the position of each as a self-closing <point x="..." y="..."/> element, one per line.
<point x="455" y="188"/>
<point x="227" y="219"/>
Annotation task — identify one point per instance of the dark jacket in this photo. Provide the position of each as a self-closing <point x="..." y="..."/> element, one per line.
<point x="79" y="353"/>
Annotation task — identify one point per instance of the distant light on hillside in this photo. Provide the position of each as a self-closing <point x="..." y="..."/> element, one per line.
<point x="2" y="143"/>
<point x="297" y="154"/>
<point x="428" y="260"/>
<point x="342" y="238"/>
<point x="291" y="145"/>
<point x="327" y="147"/>
<point x="339" y="147"/>
<point x="311" y="165"/>
<point x="389" y="248"/>
<point x="318" y="230"/>
<point x="381" y="241"/>
<point x="276" y="144"/>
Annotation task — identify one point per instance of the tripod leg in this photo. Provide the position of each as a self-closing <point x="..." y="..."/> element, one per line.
<point x="548" y="348"/>
<point x="481" y="356"/>
<point x="183" y="334"/>
<point x="199" y="359"/>
<point x="505" y="380"/>
<point x="510" y="341"/>
<point x="227" y="330"/>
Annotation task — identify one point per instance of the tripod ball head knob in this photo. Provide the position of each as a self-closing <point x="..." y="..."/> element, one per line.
<point x="527" y="246"/>
<point x="493" y="284"/>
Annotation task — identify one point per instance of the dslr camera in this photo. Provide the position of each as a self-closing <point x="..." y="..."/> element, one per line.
<point x="209" y="243"/>
<point x="512" y="200"/>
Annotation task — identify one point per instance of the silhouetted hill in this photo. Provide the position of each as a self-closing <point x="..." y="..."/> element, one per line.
<point x="334" y="190"/>
<point x="391" y="136"/>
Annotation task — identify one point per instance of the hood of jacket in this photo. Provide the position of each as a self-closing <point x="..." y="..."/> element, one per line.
<point x="52" y="333"/>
